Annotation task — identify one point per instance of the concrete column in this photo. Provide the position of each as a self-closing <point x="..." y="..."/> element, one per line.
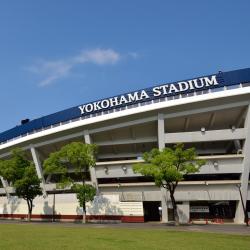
<point x="161" y="145"/>
<point x="5" y="186"/>
<point x="39" y="171"/>
<point x="161" y="132"/>
<point x="87" y="139"/>
<point x="184" y="212"/>
<point x="164" y="205"/>
<point x="239" y="215"/>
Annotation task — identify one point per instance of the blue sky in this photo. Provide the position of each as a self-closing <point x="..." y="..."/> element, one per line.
<point x="57" y="54"/>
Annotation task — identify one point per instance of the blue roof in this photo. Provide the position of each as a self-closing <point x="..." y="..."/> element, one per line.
<point x="224" y="78"/>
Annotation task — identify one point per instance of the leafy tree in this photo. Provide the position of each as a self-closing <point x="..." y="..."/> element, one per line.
<point x="168" y="167"/>
<point x="84" y="194"/>
<point x="80" y="157"/>
<point x="21" y="173"/>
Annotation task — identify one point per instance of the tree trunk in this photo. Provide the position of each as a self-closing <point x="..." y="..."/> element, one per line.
<point x="83" y="205"/>
<point x="83" y="213"/>
<point x="176" y="216"/>
<point x="29" y="216"/>
<point x="29" y="209"/>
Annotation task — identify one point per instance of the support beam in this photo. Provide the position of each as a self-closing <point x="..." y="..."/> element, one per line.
<point x="161" y="131"/>
<point x="164" y="205"/>
<point x="211" y="120"/>
<point x="241" y="117"/>
<point x="38" y="166"/>
<point x="237" y="145"/>
<point x="132" y="132"/>
<point x="111" y="136"/>
<point x="135" y="148"/>
<point x="186" y="124"/>
<point x="161" y="145"/>
<point x="239" y="217"/>
<point x="48" y="178"/>
<point x="237" y="124"/>
<point x="5" y="186"/>
<point x="133" y="136"/>
<point x="92" y="169"/>
<point x="210" y="135"/>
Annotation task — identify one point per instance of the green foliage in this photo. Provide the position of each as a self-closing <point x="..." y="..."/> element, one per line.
<point x="13" y="169"/>
<point x="21" y="172"/>
<point x="169" y="165"/>
<point x="28" y="187"/>
<point x="84" y="193"/>
<point x="78" y="155"/>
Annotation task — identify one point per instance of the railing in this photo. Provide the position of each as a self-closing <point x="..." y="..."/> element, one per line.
<point x="179" y="96"/>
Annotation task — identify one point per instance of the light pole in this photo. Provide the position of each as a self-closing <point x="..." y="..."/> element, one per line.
<point x="243" y="206"/>
<point x="54" y="202"/>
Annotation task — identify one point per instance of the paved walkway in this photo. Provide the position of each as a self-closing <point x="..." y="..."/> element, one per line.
<point x="212" y="228"/>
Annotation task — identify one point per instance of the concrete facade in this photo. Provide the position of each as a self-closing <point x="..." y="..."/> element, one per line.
<point x="216" y="123"/>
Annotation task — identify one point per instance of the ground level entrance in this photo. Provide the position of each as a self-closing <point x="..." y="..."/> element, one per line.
<point x="212" y="210"/>
<point x="151" y="210"/>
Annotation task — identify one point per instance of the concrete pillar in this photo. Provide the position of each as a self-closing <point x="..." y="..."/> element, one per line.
<point x="5" y="186"/>
<point x="164" y="205"/>
<point x="239" y="215"/>
<point x="39" y="171"/>
<point x="161" y="132"/>
<point x="184" y="212"/>
<point x="87" y="139"/>
<point x="161" y="145"/>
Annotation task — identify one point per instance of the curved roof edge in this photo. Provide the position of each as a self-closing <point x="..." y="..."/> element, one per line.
<point x="215" y="81"/>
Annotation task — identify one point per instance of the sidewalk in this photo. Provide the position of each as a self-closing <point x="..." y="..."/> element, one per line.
<point x="212" y="228"/>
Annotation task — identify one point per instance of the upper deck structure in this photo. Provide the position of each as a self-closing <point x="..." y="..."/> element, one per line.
<point x="208" y="112"/>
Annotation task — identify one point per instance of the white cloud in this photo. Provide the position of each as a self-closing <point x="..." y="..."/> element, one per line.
<point x="98" y="56"/>
<point x="51" y="71"/>
<point x="134" y="55"/>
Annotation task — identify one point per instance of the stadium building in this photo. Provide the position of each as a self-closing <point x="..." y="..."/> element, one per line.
<point x="209" y="112"/>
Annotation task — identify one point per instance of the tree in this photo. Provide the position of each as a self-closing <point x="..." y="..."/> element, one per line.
<point x="168" y="167"/>
<point x="84" y="194"/>
<point x="80" y="157"/>
<point x="21" y="173"/>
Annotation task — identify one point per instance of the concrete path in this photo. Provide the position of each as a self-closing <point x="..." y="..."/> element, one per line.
<point x="212" y="228"/>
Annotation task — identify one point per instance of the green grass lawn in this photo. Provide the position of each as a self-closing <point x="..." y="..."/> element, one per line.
<point x="24" y="236"/>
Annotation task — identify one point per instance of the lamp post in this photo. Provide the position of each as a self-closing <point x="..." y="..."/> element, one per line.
<point x="54" y="203"/>
<point x="243" y="206"/>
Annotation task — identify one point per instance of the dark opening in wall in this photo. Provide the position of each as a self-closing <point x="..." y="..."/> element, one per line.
<point x="117" y="159"/>
<point x="212" y="209"/>
<point x="248" y="206"/>
<point x="211" y="177"/>
<point x="125" y="180"/>
<point x="214" y="147"/>
<point x="55" y="178"/>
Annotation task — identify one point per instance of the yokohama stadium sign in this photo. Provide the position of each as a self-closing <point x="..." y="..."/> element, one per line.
<point x="195" y="86"/>
<point x="151" y="93"/>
